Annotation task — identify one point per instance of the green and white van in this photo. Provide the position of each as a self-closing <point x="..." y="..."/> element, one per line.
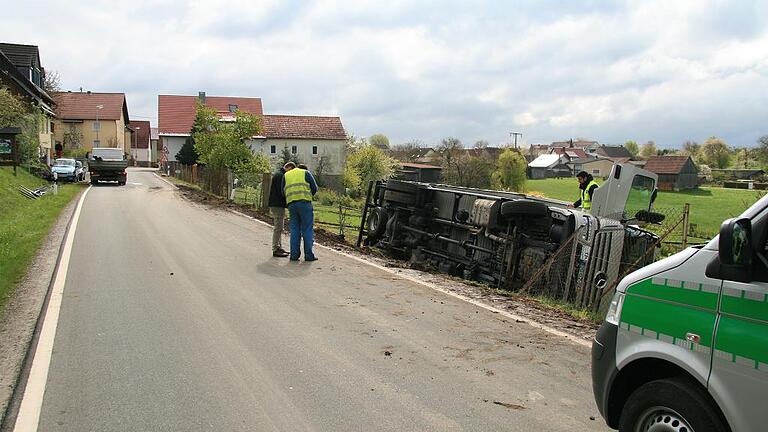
<point x="684" y="346"/>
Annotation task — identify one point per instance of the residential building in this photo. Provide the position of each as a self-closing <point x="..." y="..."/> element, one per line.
<point x="549" y="165"/>
<point x="675" y="172"/>
<point x="316" y="141"/>
<point x="588" y="146"/>
<point x="141" y="151"/>
<point x="618" y="154"/>
<point x="85" y="120"/>
<point x="598" y="167"/>
<point x="22" y="73"/>
<point x="176" y="114"/>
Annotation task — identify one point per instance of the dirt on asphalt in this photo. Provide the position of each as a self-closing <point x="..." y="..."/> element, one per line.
<point x="521" y="305"/>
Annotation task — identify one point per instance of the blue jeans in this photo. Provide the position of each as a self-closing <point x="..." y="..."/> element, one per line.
<point x="302" y="221"/>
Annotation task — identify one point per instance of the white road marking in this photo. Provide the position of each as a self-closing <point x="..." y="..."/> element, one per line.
<point x="169" y="183"/>
<point x="32" y="402"/>
<point x="518" y="318"/>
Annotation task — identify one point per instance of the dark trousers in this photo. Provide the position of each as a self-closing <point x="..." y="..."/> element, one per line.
<point x="302" y="221"/>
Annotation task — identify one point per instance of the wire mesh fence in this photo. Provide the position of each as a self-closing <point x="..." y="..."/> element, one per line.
<point x="586" y="268"/>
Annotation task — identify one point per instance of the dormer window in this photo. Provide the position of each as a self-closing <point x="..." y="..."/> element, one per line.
<point x="232" y="108"/>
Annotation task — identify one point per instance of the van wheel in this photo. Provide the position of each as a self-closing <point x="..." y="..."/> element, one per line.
<point x="671" y="405"/>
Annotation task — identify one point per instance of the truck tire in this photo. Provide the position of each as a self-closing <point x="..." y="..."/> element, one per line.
<point x="524" y="207"/>
<point x="672" y="404"/>
<point x="377" y="222"/>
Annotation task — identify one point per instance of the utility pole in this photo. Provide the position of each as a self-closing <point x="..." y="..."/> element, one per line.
<point x="516" y="134"/>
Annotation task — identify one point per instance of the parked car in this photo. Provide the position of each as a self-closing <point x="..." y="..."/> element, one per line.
<point x="66" y="169"/>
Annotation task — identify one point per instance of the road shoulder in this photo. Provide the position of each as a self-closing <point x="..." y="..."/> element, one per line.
<point x="22" y="311"/>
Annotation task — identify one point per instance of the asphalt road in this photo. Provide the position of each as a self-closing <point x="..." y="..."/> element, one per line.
<point x="176" y="317"/>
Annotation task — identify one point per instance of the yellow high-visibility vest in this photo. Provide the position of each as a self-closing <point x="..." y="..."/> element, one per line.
<point x="586" y="199"/>
<point x="296" y="186"/>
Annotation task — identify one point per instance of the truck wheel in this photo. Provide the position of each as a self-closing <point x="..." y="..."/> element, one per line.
<point x="377" y="222"/>
<point x="671" y="405"/>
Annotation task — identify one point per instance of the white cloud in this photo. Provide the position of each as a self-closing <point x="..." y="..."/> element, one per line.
<point x="660" y="70"/>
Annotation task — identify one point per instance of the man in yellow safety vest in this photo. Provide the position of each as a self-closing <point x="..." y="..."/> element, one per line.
<point x="299" y="187"/>
<point x="587" y="186"/>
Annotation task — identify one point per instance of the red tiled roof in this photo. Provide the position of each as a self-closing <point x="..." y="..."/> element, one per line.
<point x="417" y="165"/>
<point x="175" y="114"/>
<point x="142" y="129"/>
<point x="82" y="106"/>
<point x="666" y="164"/>
<point x="287" y="126"/>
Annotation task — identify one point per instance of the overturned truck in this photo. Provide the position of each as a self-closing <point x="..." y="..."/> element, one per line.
<point x="516" y="241"/>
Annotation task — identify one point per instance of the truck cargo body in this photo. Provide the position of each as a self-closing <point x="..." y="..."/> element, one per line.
<point x="509" y="239"/>
<point x="107" y="164"/>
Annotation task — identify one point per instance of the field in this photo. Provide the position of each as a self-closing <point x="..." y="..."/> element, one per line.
<point x="709" y="205"/>
<point x="24" y="223"/>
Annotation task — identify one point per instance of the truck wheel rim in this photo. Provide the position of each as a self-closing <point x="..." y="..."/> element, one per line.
<point x="662" y="419"/>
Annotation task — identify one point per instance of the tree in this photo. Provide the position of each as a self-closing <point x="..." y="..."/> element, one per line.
<point x="223" y="144"/>
<point x="187" y="154"/>
<point x="286" y="156"/>
<point x="510" y="171"/>
<point x="369" y="163"/>
<point x="762" y="149"/>
<point x="648" y="150"/>
<point x="632" y="148"/>
<point x="51" y="82"/>
<point x="449" y="151"/>
<point x="379" y="140"/>
<point x="715" y="152"/>
<point x="406" y="152"/>
<point x="477" y="172"/>
<point x="481" y="144"/>
<point x="14" y="112"/>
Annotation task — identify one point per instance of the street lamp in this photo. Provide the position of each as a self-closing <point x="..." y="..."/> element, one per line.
<point x="98" y="125"/>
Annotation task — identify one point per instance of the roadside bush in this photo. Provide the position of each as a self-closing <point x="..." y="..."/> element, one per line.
<point x="327" y="197"/>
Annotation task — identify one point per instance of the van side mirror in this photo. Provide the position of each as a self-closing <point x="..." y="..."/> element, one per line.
<point x="735" y="254"/>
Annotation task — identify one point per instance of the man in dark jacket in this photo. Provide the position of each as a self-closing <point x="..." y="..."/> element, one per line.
<point x="277" y="210"/>
<point x="587" y="187"/>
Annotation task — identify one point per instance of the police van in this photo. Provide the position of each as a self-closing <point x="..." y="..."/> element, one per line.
<point x="684" y="345"/>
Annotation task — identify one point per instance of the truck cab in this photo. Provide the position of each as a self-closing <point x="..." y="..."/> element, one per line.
<point x="684" y="345"/>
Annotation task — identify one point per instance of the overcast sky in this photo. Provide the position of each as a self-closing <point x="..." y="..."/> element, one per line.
<point x="662" y="70"/>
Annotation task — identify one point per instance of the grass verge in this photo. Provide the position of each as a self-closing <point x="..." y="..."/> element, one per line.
<point x="24" y="224"/>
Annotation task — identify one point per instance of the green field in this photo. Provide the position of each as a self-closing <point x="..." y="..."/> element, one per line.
<point x="24" y="223"/>
<point x="709" y="205"/>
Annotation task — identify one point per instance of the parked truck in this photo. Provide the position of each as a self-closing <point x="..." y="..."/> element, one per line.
<point x="684" y="345"/>
<point x="107" y="164"/>
<point x="506" y="238"/>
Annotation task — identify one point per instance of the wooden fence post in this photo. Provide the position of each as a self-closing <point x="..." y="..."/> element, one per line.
<point x="266" y="184"/>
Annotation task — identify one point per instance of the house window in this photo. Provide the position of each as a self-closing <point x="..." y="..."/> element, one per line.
<point x="294" y="149"/>
<point x="314" y="150"/>
<point x="53" y="127"/>
<point x="97" y="125"/>
<point x="273" y="149"/>
<point x="96" y="143"/>
<point x="232" y="108"/>
<point x="595" y="172"/>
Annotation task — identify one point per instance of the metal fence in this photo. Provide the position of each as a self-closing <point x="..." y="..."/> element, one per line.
<point x="586" y="268"/>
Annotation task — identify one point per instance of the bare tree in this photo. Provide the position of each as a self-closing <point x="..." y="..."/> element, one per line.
<point x="51" y="82"/>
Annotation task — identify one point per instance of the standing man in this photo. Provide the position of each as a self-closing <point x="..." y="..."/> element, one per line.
<point x="277" y="207"/>
<point x="299" y="187"/>
<point x="587" y="186"/>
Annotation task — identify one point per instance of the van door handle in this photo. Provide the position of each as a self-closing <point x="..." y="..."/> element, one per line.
<point x="692" y="337"/>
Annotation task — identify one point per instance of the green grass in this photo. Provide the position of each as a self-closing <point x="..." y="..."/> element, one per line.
<point x="709" y="205"/>
<point x="328" y="217"/>
<point x="24" y="223"/>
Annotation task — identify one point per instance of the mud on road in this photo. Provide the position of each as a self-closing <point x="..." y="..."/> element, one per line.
<point x="523" y="306"/>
